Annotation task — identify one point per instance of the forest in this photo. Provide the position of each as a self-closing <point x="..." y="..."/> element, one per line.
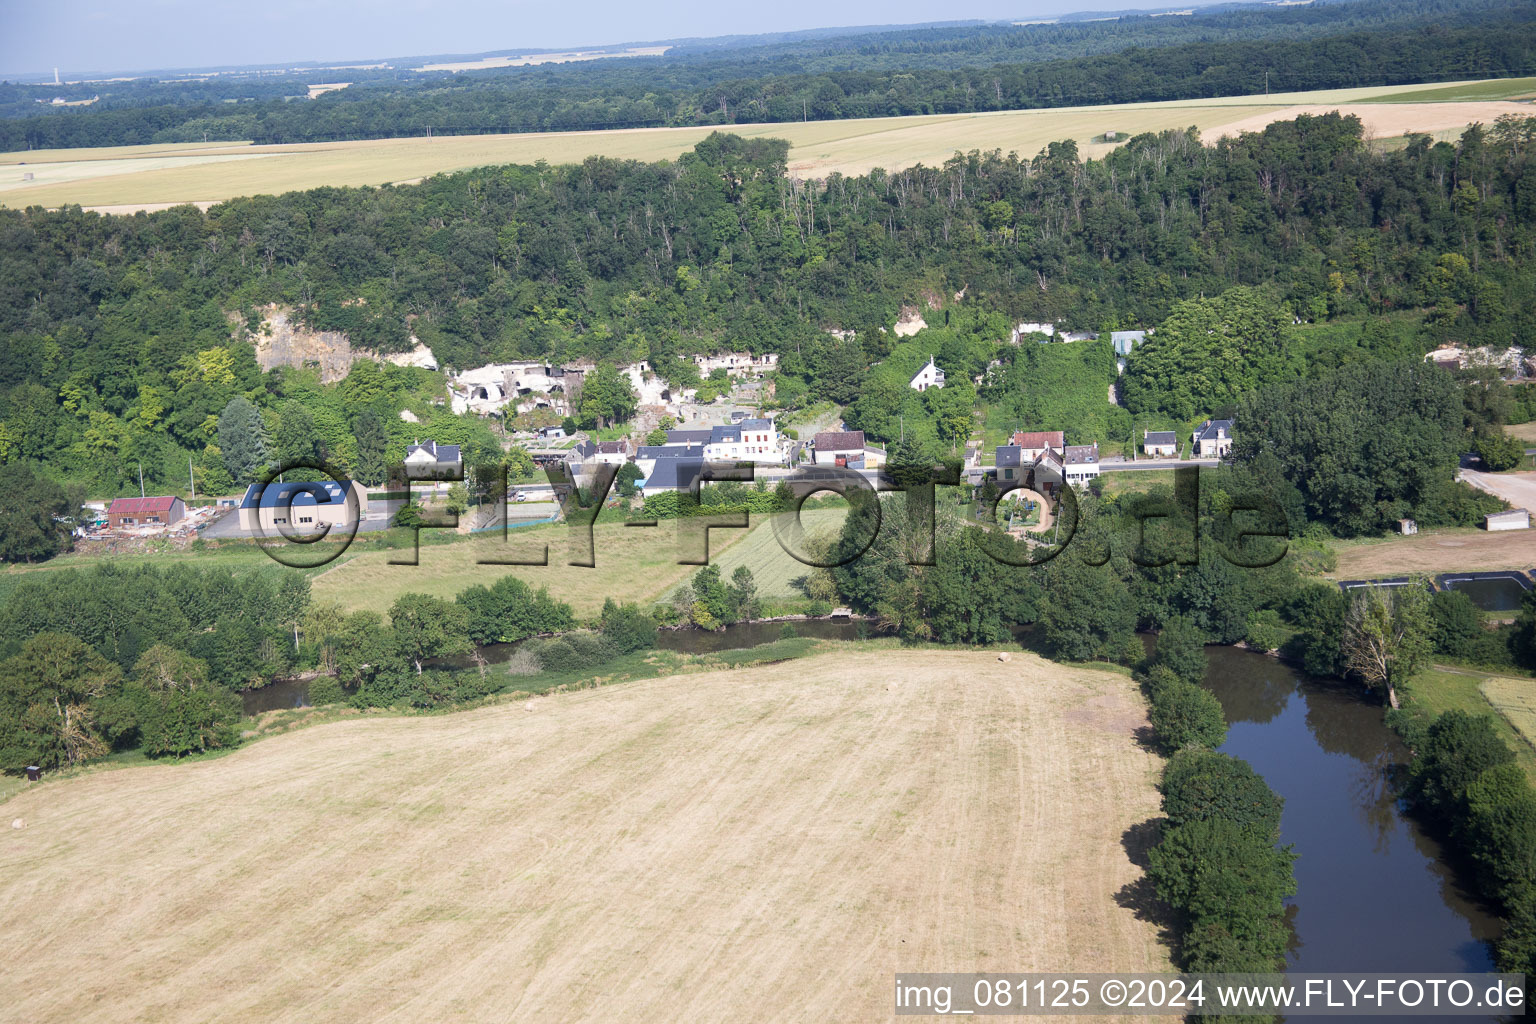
<point x="957" y="70"/>
<point x="125" y="338"/>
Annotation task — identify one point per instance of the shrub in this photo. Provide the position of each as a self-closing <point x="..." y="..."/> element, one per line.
<point x="1457" y="622"/>
<point x="1265" y="631"/>
<point x="1184" y="715"/>
<point x="326" y="690"/>
<point x="627" y="627"/>
<point x="1200" y="784"/>
<point x="1181" y="649"/>
<point x="524" y="662"/>
<point x="1500" y="452"/>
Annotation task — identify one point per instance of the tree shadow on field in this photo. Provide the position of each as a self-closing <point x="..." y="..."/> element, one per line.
<point x="1140" y="896"/>
<point x="1146" y="739"/>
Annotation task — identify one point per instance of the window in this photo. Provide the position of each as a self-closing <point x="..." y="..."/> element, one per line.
<point x="306" y="519"/>
<point x="152" y="519"/>
<point x="279" y="519"/>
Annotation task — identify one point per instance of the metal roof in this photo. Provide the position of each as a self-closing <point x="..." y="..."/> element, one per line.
<point x="138" y="506"/>
<point x="295" y="492"/>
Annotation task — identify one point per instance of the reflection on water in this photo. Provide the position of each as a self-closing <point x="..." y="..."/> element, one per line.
<point x="1498" y="594"/>
<point x="1372" y="891"/>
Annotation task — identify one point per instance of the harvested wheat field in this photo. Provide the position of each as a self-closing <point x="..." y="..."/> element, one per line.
<point x="123" y="179"/>
<point x="765" y="844"/>
<point x="1435" y="552"/>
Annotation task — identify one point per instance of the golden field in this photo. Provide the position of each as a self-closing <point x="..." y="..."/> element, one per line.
<point x="764" y="844"/>
<point x="122" y="179"/>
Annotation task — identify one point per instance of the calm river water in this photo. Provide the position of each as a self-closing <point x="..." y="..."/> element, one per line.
<point x="1373" y="891"/>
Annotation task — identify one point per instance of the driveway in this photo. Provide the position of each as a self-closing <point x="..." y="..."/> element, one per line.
<point x="1519" y="489"/>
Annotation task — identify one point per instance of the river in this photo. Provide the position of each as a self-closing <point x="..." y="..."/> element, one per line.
<point x="1373" y="890"/>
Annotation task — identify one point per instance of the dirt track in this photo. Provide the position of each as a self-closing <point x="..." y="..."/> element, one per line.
<point x="768" y="844"/>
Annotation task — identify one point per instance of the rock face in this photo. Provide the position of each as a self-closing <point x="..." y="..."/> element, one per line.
<point x="910" y="322"/>
<point x="282" y="342"/>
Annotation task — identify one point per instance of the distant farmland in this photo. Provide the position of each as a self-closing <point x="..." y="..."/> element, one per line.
<point x="121" y="179"/>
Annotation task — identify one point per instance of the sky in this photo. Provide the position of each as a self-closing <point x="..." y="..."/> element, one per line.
<point x="118" y="35"/>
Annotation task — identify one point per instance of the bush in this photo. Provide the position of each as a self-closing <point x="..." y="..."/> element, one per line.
<point x="628" y="628"/>
<point x="326" y="690"/>
<point x="1265" y="631"/>
<point x="524" y="662"/>
<point x="1201" y="784"/>
<point x="1184" y="715"/>
<point x="1500" y="452"/>
<point x="1457" y="622"/>
<point x="575" y="652"/>
<point x="1181" y="649"/>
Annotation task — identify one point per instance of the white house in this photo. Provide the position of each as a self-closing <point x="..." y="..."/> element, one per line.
<point x="751" y="440"/>
<point x="1213" y="439"/>
<point x="612" y="453"/>
<point x="930" y="376"/>
<point x="840" y="448"/>
<point x="432" y="461"/>
<point x="1080" y="463"/>
<point x="1160" y="443"/>
<point x="1126" y="341"/>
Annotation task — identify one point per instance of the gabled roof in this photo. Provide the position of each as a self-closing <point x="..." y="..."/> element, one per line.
<point x="1009" y="456"/>
<point x="586" y="449"/>
<point x="440" y="452"/>
<point x="677" y="474"/>
<point x="725" y="435"/>
<point x="139" y="506"/>
<point x="302" y="492"/>
<point x="840" y="440"/>
<point x="688" y="437"/>
<point x="619" y="447"/>
<point x="670" y="451"/>
<point x="1039" y="439"/>
<point x="756" y="424"/>
<point x="1160" y="437"/>
<point x="1080" y="454"/>
<point x="1213" y="429"/>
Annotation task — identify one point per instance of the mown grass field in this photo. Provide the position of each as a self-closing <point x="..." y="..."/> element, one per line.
<point x="116" y="177"/>
<point x="772" y="843"/>
<point x="774" y="569"/>
<point x="1511" y="700"/>
<point x="632" y="564"/>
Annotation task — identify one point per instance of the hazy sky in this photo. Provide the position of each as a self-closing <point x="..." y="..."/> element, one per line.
<point x="113" y="35"/>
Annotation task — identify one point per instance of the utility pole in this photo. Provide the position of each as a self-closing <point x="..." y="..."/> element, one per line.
<point x="141" y="478"/>
<point x="191" y="480"/>
<point x="805" y="109"/>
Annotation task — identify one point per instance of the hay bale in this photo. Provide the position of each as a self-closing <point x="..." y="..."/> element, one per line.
<point x="1005" y="656"/>
<point x="528" y="706"/>
<point x="18" y="823"/>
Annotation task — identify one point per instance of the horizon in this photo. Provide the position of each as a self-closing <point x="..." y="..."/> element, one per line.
<point x="92" y="37"/>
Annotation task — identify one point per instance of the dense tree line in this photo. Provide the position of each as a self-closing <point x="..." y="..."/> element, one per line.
<point x="953" y="70"/>
<point x="126" y="338"/>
